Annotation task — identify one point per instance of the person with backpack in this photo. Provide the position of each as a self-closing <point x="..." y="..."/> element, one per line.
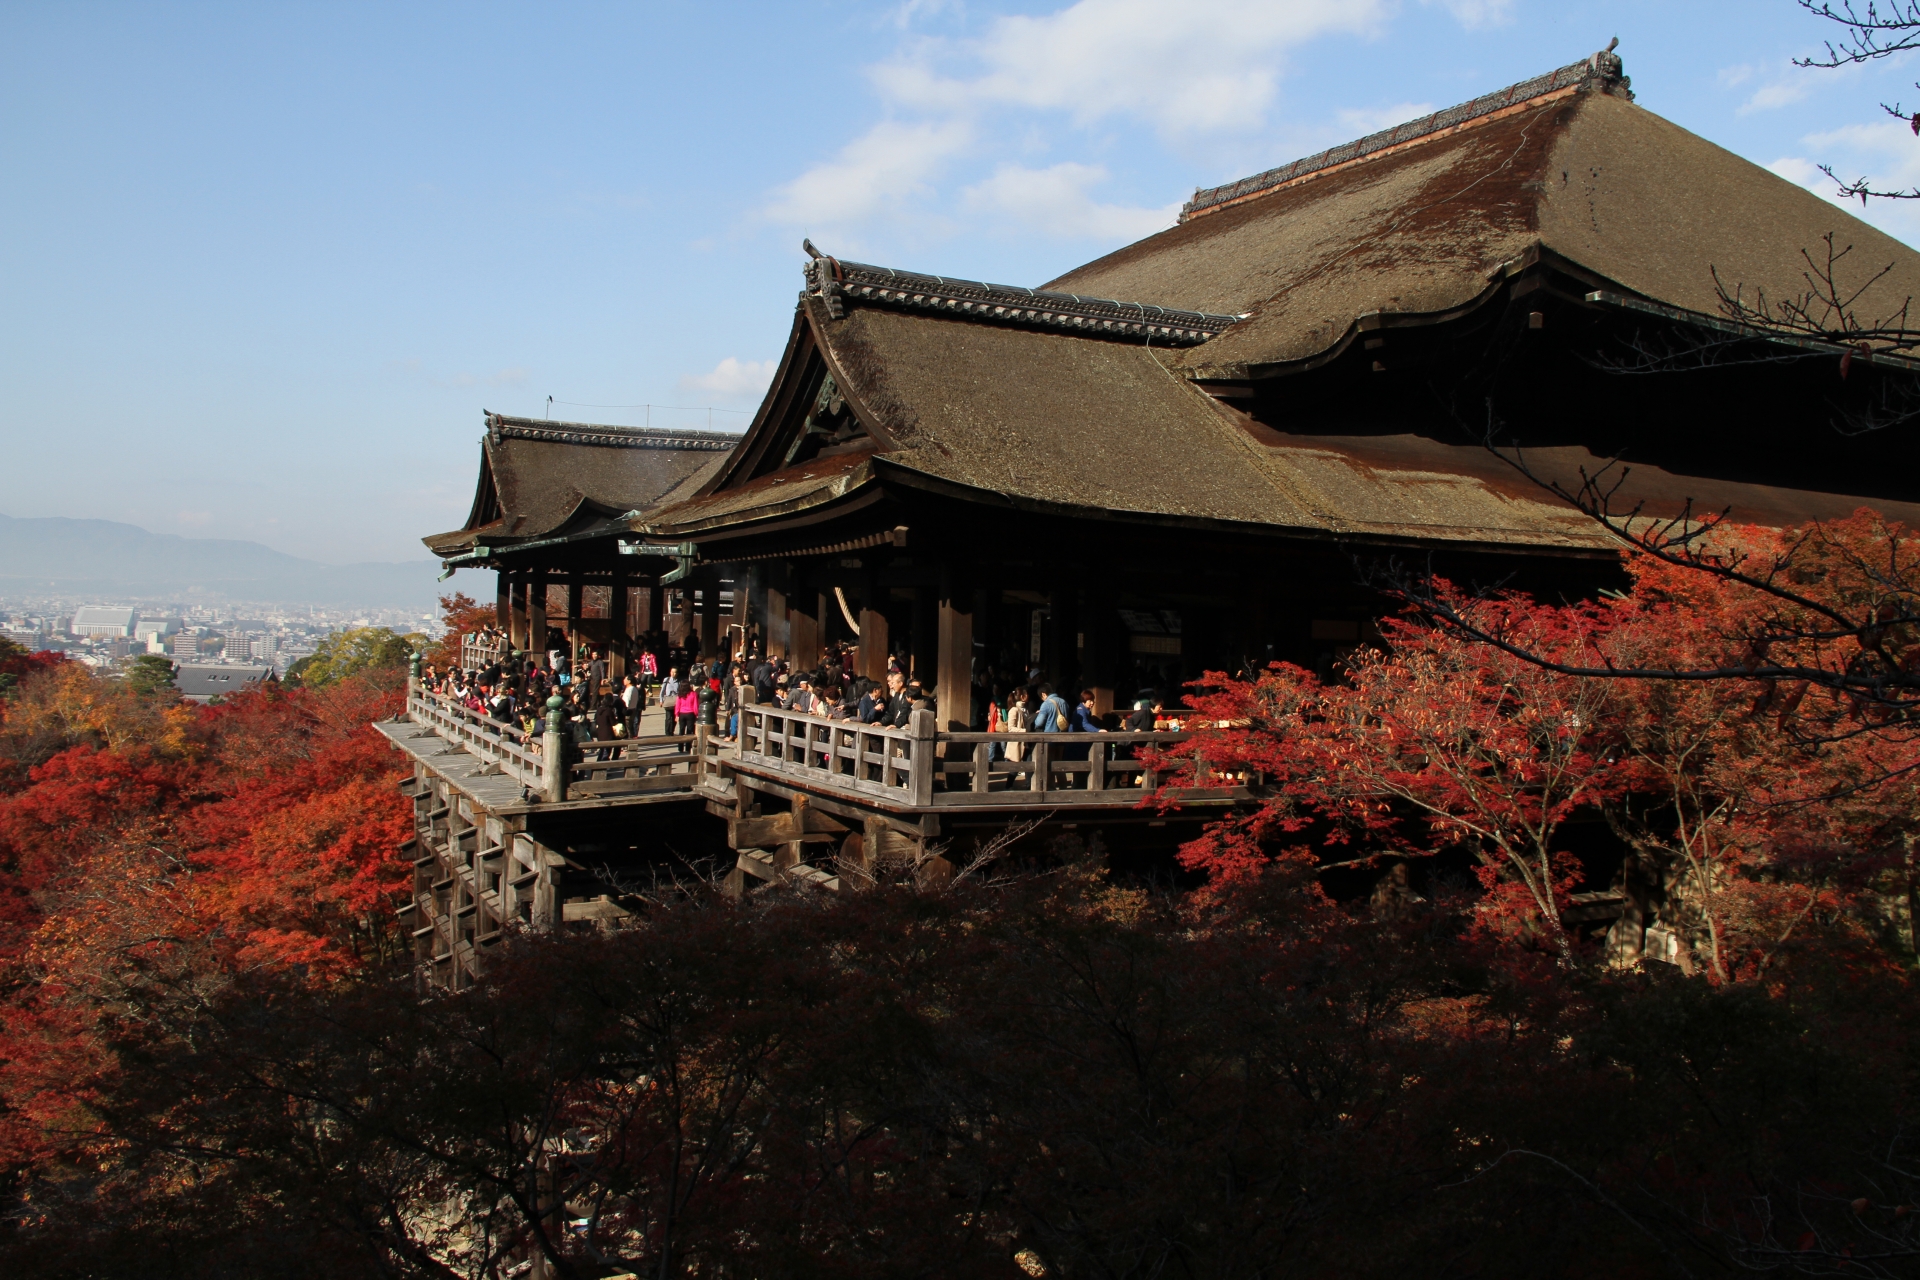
<point x="1051" y="715"/>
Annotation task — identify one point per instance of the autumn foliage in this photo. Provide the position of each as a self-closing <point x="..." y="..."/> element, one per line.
<point x="1516" y="966"/>
<point x="1748" y="811"/>
<point x="146" y="840"/>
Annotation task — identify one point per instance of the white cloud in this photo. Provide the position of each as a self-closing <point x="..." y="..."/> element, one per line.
<point x="1182" y="66"/>
<point x="1473" y="14"/>
<point x="732" y="379"/>
<point x="888" y="165"/>
<point x="1783" y="92"/>
<point x="1804" y="172"/>
<point x="1056" y="202"/>
<point x="1884" y="152"/>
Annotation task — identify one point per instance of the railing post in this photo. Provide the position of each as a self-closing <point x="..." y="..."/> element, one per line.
<point x="749" y="698"/>
<point x="701" y="736"/>
<point x="554" y="755"/>
<point x="982" y="767"/>
<point x="920" y="727"/>
<point x="1042" y="777"/>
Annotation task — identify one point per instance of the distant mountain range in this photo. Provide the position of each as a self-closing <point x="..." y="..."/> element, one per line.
<point x="103" y="558"/>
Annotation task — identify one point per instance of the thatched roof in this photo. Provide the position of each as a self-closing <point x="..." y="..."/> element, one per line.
<point x="1425" y="224"/>
<point x="1062" y="401"/>
<point x="1083" y="426"/>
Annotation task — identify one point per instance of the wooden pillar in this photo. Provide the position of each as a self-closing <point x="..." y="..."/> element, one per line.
<point x="676" y="614"/>
<point x="574" y="609"/>
<point x="803" y="632"/>
<point x="503" y="600"/>
<point x="617" y="630"/>
<point x="518" y="611"/>
<point x="777" y="624"/>
<point x="710" y="617"/>
<point x="954" y="682"/>
<point x="873" y="645"/>
<point x="537" y="614"/>
<point x="733" y="623"/>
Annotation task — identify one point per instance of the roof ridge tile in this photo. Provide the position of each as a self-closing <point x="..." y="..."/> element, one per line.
<point x="839" y="283"/>
<point x="501" y="426"/>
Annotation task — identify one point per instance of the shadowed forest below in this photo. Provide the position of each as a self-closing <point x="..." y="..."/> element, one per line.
<point x="1382" y="1037"/>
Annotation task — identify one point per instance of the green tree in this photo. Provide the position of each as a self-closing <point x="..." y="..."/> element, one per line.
<point x="150" y="674"/>
<point x="344" y="653"/>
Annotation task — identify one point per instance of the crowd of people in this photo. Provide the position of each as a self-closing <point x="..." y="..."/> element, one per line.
<point x="600" y="708"/>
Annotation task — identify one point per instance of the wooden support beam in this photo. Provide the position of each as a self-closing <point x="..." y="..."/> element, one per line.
<point x="873" y="645"/>
<point x="576" y="609"/>
<point x="803" y="633"/>
<point x="517" y="601"/>
<point x="778" y="624"/>
<point x="537" y="615"/>
<point x="710" y="617"/>
<point x="503" y="600"/>
<point x="794" y="852"/>
<point x="617" y="615"/>
<point x="953" y="684"/>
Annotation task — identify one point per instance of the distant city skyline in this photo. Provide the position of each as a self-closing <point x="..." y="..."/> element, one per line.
<point x="272" y="263"/>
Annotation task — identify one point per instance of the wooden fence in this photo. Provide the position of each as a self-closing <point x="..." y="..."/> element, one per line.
<point x="921" y="768"/>
<point x="914" y="768"/>
<point x="617" y="766"/>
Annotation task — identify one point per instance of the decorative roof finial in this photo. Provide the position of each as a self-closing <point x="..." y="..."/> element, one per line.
<point x="1606" y="64"/>
<point x="825" y="279"/>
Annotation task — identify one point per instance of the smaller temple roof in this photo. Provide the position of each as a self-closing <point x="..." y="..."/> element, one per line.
<point x="537" y="475"/>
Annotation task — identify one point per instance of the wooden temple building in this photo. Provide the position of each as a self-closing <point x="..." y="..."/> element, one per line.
<point x="1188" y="455"/>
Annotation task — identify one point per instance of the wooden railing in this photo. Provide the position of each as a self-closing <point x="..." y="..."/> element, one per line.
<point x="615" y="766"/>
<point x="519" y="755"/>
<point x="630" y="766"/>
<point x="918" y="767"/>
<point x="482" y="651"/>
<point x="911" y="768"/>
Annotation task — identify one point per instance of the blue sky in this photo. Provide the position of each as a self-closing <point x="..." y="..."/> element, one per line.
<point x="262" y="266"/>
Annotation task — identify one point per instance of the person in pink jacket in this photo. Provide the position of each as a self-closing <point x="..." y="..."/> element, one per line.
<point x="687" y="706"/>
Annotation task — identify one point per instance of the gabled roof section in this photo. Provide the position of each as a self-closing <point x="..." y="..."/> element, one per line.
<point x="537" y="476"/>
<point x="844" y="284"/>
<point x="1424" y="219"/>
<point x="1602" y="71"/>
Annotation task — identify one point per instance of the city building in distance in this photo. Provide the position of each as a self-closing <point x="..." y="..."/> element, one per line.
<point x="203" y="682"/>
<point x="97" y="621"/>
